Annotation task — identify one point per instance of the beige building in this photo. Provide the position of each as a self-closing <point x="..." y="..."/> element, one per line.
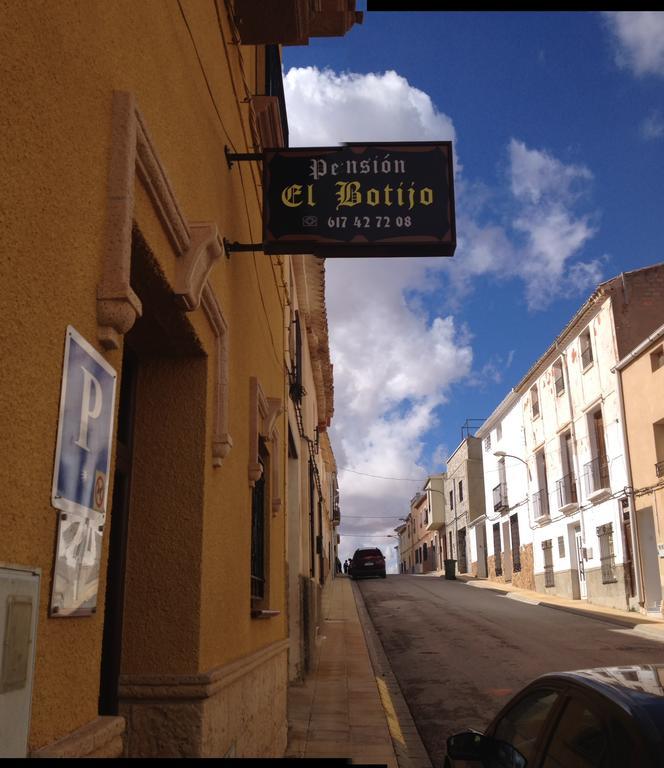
<point x="641" y="382"/>
<point x="465" y="491"/>
<point x="147" y="597"/>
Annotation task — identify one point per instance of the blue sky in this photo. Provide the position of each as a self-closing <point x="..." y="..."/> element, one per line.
<point x="558" y="127"/>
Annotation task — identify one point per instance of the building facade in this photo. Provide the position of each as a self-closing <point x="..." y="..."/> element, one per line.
<point x="641" y="389"/>
<point x="506" y="532"/>
<point x="154" y="587"/>
<point x="571" y="443"/>
<point x="465" y="505"/>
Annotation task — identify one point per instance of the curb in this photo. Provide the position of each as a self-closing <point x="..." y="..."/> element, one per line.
<point x="641" y="625"/>
<point x="408" y="747"/>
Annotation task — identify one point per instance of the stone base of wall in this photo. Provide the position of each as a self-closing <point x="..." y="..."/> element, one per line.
<point x="612" y="595"/>
<point x="238" y="710"/>
<point x="565" y="584"/>
<point x="103" y="737"/>
<point x="525" y="578"/>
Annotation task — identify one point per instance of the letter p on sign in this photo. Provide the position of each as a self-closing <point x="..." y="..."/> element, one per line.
<point x="85" y="427"/>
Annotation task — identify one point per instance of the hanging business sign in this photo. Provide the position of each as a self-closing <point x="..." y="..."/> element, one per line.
<point x="85" y="429"/>
<point x="360" y="200"/>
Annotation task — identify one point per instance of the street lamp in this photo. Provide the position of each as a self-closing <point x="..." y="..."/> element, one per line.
<point x="502" y="455"/>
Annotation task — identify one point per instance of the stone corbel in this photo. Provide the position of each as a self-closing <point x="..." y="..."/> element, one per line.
<point x="193" y="267"/>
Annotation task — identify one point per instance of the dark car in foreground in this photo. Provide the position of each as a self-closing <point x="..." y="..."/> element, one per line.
<point x="609" y="717"/>
<point x="366" y="563"/>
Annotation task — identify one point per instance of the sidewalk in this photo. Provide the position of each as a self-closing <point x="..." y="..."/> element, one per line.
<point x="345" y="709"/>
<point x="649" y="626"/>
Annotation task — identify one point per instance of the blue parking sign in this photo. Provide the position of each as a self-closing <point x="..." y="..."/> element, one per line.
<point x="85" y="428"/>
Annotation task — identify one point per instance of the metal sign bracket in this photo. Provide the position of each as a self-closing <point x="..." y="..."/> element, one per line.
<point x="241" y="247"/>
<point x="241" y="157"/>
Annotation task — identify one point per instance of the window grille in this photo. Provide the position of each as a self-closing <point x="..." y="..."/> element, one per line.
<point x="487" y="443"/>
<point x="497" y="549"/>
<point x="258" y="536"/>
<point x="606" y="553"/>
<point x="547" y="549"/>
<point x="516" y="543"/>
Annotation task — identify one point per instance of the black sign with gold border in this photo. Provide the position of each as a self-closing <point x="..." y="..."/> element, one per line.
<point x="359" y="200"/>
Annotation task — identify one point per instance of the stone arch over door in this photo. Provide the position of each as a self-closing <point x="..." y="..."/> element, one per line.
<point x="197" y="247"/>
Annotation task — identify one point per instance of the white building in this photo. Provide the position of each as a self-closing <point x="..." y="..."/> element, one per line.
<point x="570" y="436"/>
<point x="508" y="532"/>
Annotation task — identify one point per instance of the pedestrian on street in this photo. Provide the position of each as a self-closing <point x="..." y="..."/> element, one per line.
<point x="338" y="565"/>
<point x="345" y="566"/>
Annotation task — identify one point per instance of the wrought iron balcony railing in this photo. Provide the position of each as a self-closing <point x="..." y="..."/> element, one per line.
<point x="540" y="504"/>
<point x="597" y="474"/>
<point x="500" y="497"/>
<point x="566" y="491"/>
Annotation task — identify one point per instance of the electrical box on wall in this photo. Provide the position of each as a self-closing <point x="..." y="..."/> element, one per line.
<point x="19" y="608"/>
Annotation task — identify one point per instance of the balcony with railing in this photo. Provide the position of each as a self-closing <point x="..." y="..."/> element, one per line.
<point x="566" y="494"/>
<point x="659" y="469"/>
<point x="541" y="505"/>
<point x="598" y="486"/>
<point x="500" y="497"/>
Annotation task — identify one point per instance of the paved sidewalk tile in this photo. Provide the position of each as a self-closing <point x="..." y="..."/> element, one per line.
<point x="337" y="711"/>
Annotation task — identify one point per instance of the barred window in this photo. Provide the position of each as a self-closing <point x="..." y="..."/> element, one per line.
<point x="497" y="549"/>
<point x="606" y="553"/>
<point x="487" y="443"/>
<point x="547" y="548"/>
<point x="516" y="542"/>
<point x="258" y="532"/>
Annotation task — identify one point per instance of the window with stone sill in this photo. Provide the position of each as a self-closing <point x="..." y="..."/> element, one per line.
<point x="534" y="402"/>
<point x="586" y="349"/>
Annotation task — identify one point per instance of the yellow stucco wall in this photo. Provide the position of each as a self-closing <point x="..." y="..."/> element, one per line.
<point x="62" y="62"/>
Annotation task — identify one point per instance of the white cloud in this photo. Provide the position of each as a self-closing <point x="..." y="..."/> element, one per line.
<point x="532" y="233"/>
<point x="326" y="108"/>
<point x="393" y="364"/>
<point x="639" y="37"/>
<point x="652" y="128"/>
<point x="537" y="174"/>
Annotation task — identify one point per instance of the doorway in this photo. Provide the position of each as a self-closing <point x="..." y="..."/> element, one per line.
<point x="580" y="563"/>
<point x="156" y="515"/>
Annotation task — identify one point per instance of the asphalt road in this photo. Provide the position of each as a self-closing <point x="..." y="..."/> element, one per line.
<point x="459" y="652"/>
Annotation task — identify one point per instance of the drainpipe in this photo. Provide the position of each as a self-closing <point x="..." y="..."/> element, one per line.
<point x="636" y="547"/>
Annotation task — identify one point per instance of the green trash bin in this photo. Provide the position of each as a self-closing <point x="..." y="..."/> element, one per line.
<point x="450" y="567"/>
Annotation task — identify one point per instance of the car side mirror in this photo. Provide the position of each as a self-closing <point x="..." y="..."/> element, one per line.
<point x="492" y="753"/>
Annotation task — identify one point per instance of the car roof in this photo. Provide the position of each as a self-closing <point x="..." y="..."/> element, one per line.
<point x="367" y="549"/>
<point x="637" y="689"/>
